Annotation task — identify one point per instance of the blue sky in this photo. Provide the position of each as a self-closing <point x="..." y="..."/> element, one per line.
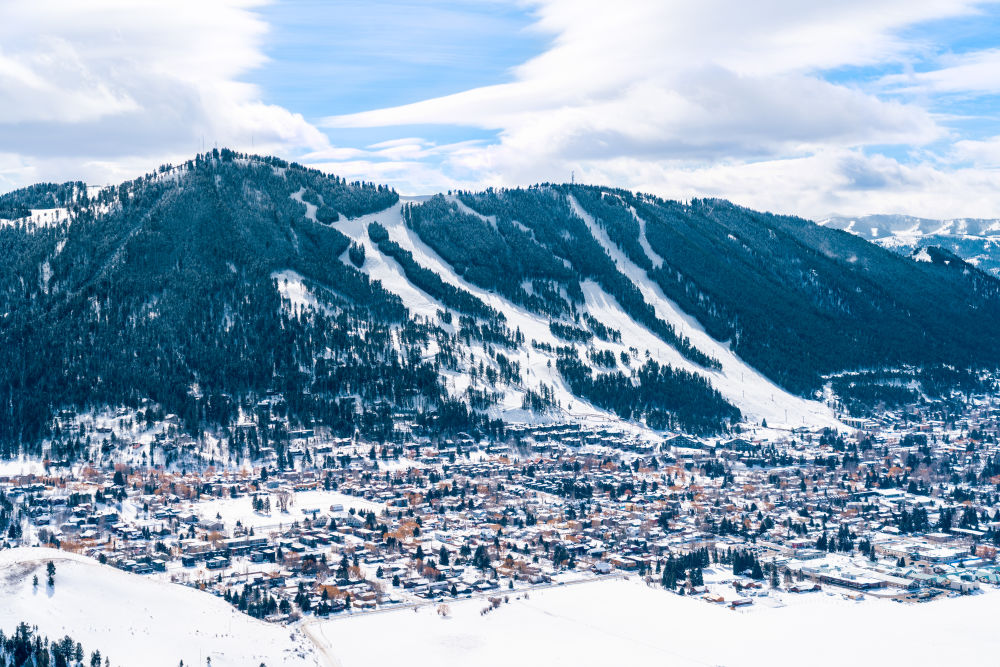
<point x="345" y="57"/>
<point x="803" y="107"/>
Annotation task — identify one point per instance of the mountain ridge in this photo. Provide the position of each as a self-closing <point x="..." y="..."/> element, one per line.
<point x="210" y="285"/>
<point x="975" y="240"/>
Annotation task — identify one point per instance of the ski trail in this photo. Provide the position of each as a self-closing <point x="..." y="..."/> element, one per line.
<point x="755" y="395"/>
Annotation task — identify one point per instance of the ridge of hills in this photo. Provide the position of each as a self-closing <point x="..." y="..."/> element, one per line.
<point x="204" y="288"/>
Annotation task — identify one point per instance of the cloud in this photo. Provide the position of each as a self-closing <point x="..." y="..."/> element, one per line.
<point x="977" y="72"/>
<point x="654" y="94"/>
<point x="830" y="181"/>
<point x="748" y="101"/>
<point x="107" y="84"/>
<point x="983" y="153"/>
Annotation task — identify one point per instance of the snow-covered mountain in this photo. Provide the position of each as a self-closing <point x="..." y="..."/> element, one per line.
<point x="208" y="287"/>
<point x="976" y="240"/>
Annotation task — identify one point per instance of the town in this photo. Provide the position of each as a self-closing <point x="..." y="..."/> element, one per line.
<point x="902" y="506"/>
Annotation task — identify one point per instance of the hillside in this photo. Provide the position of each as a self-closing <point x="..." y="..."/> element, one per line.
<point x="134" y="620"/>
<point x="205" y="288"/>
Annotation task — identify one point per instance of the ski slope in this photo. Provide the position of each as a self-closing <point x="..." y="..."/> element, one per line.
<point x="135" y="620"/>
<point x="743" y="386"/>
<point x="756" y="396"/>
<point x="537" y="366"/>
<point x="40" y="217"/>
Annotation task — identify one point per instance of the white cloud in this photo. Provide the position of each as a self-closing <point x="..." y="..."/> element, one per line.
<point x="684" y="99"/>
<point x="974" y="72"/>
<point x="984" y="153"/>
<point x="708" y="98"/>
<point x="829" y="181"/>
<point x="109" y="84"/>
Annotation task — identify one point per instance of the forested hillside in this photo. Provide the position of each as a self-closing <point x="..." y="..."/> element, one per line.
<point x="19" y="203"/>
<point x="163" y="288"/>
<point x="799" y="301"/>
<point x="203" y="288"/>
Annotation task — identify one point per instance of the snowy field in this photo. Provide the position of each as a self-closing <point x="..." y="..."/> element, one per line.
<point x="616" y="622"/>
<point x="232" y="510"/>
<point x="138" y="621"/>
<point x="141" y="621"/>
<point x="21" y="466"/>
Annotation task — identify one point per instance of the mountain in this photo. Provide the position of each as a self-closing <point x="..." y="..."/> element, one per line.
<point x="232" y="282"/>
<point x="977" y="241"/>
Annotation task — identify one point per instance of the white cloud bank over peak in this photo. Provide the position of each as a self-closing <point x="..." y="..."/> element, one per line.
<point x="715" y="97"/>
<point x="99" y="89"/>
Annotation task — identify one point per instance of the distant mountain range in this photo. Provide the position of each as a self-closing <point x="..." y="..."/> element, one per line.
<point x="207" y="287"/>
<point x="975" y="240"/>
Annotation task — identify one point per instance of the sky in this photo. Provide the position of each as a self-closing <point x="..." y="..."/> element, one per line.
<point x="792" y="106"/>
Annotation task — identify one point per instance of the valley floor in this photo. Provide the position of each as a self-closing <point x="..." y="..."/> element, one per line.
<point x="624" y="621"/>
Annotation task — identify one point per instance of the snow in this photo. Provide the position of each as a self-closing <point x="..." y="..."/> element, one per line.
<point x="310" y="208"/>
<point x="21" y="466"/>
<point x="240" y="509"/>
<point x="756" y="396"/>
<point x="535" y="369"/>
<point x="292" y="287"/>
<point x="135" y="620"/>
<point x="386" y="269"/>
<point x="644" y="242"/>
<point x="614" y="622"/>
<point x="41" y="217"/>
<point x="922" y="256"/>
<point x="464" y="208"/>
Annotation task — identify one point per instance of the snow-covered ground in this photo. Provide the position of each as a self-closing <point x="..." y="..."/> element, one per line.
<point x="41" y="217"/>
<point x="21" y="466"/>
<point x="301" y="506"/>
<point x="616" y="622"/>
<point x="299" y="297"/>
<point x="135" y="620"/>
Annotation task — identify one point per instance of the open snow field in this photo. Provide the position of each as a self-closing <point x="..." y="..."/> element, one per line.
<point x="303" y="504"/>
<point x="138" y="621"/>
<point x="614" y="622"/>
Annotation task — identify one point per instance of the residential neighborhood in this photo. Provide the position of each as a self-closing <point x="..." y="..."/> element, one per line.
<point x="904" y="506"/>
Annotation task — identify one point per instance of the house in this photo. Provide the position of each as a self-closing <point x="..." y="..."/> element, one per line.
<point x="217" y="563"/>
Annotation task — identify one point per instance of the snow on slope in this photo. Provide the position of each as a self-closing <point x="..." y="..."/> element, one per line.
<point x="135" y="620"/>
<point x="293" y="290"/>
<point x="754" y="394"/>
<point x="620" y="622"/>
<point x="534" y="364"/>
<point x="644" y="242"/>
<point x="741" y="384"/>
<point x="310" y="208"/>
<point x="41" y="217"/>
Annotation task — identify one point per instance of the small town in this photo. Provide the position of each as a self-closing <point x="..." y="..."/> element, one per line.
<point x="902" y="506"/>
